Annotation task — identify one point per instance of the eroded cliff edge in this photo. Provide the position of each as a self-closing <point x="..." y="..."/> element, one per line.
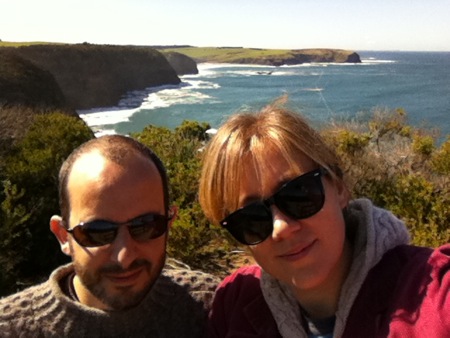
<point x="91" y="76"/>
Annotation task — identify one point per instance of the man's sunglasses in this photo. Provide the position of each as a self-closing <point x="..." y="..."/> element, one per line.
<point x="99" y="232"/>
<point x="299" y="198"/>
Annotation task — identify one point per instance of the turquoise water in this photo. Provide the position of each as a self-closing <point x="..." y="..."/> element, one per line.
<point x="419" y="82"/>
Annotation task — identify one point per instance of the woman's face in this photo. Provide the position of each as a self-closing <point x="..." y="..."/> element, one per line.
<point x="307" y="254"/>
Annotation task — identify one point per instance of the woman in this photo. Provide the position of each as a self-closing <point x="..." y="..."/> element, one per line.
<point x="327" y="266"/>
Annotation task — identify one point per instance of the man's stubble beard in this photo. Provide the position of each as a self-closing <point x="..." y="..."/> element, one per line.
<point x="124" y="298"/>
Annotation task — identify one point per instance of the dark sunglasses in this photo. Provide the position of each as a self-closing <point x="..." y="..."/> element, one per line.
<point x="98" y="233"/>
<point x="299" y="198"/>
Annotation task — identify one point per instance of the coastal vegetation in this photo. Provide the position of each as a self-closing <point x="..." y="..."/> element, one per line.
<point x="396" y="165"/>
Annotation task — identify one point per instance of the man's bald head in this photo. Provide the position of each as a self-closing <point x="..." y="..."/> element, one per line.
<point x="115" y="148"/>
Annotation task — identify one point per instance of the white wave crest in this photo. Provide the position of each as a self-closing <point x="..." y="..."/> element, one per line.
<point x="105" y="116"/>
<point x="373" y="61"/>
<point x="151" y="98"/>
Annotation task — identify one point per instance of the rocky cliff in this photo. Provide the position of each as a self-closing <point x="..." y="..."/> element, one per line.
<point x="316" y="56"/>
<point x="98" y="75"/>
<point x="182" y="64"/>
<point x="24" y="84"/>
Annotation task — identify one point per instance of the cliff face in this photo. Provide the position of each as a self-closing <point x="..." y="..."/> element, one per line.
<point x="98" y="75"/>
<point x="24" y="84"/>
<point x="182" y="64"/>
<point x="326" y="55"/>
<point x="25" y="91"/>
<point x="296" y="57"/>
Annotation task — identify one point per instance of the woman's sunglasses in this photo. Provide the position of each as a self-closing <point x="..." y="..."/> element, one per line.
<point x="299" y="198"/>
<point x="98" y="233"/>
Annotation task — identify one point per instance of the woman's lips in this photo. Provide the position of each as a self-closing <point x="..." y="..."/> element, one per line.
<point x="298" y="252"/>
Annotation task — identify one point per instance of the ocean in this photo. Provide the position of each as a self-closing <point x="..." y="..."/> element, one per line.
<point x="418" y="82"/>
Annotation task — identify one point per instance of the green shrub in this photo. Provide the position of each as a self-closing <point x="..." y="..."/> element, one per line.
<point x="398" y="172"/>
<point x="350" y="142"/>
<point x="14" y="233"/>
<point x="192" y="239"/>
<point x="386" y="121"/>
<point x="31" y="170"/>
<point x="423" y="145"/>
<point x="196" y="242"/>
<point x="425" y="209"/>
<point x="441" y="158"/>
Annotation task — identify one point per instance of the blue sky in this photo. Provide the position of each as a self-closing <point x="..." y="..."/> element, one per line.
<point x="347" y="24"/>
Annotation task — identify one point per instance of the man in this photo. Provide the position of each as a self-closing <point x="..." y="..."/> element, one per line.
<point x="114" y="222"/>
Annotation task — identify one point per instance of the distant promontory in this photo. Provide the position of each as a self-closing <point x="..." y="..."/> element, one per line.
<point x="270" y="57"/>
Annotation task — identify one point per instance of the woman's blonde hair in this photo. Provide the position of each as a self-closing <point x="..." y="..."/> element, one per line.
<point x="246" y="137"/>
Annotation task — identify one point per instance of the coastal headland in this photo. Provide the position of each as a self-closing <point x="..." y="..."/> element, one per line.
<point x="272" y="57"/>
<point x="91" y="76"/>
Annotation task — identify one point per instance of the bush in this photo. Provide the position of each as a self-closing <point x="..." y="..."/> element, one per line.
<point x="30" y="197"/>
<point x="441" y="158"/>
<point x="351" y="143"/>
<point x="380" y="158"/>
<point x="423" y="145"/>
<point x="403" y="174"/>
<point x="14" y="233"/>
<point x="192" y="239"/>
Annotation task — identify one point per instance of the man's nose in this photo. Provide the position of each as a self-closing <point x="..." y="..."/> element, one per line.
<point x="124" y="248"/>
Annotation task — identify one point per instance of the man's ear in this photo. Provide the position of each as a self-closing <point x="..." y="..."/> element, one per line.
<point x="58" y="229"/>
<point x="173" y="213"/>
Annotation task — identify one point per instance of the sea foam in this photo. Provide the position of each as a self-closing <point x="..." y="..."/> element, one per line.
<point x="150" y="98"/>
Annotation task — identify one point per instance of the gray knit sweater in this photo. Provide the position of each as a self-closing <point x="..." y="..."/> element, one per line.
<point x="176" y="306"/>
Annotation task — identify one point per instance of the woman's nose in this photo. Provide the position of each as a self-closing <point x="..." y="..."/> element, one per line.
<point x="283" y="225"/>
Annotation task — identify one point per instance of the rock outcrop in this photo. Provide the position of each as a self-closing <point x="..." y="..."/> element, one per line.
<point x="93" y="76"/>
<point x="296" y="57"/>
<point x="182" y="64"/>
<point x="24" y="84"/>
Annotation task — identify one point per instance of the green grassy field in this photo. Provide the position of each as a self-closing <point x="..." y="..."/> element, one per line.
<point x="261" y="56"/>
<point x="214" y="54"/>
<point x="29" y="43"/>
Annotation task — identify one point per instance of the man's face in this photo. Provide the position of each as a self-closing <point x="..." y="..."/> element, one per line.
<point x="117" y="275"/>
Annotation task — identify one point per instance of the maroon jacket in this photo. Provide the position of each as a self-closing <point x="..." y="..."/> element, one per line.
<point x="407" y="294"/>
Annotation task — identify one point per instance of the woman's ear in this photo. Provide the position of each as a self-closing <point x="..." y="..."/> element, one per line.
<point x="172" y="214"/>
<point x="342" y="192"/>
<point x="60" y="232"/>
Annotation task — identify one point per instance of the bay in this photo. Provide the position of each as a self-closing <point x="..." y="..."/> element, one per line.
<point x="418" y="82"/>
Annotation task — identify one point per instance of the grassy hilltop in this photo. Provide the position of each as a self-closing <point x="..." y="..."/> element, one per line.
<point x="274" y="57"/>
